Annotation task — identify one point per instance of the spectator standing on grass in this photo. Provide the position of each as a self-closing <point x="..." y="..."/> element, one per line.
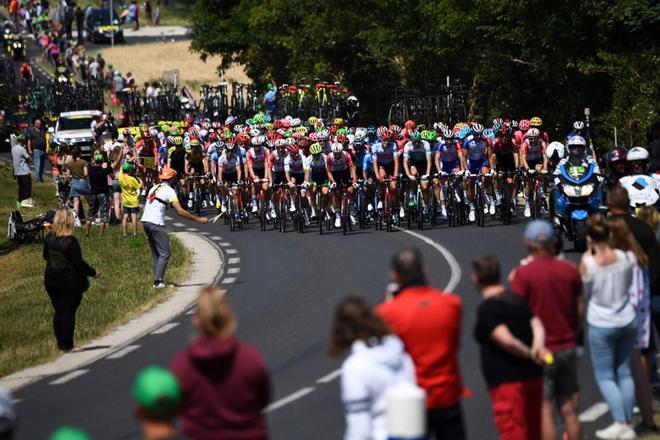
<point x="512" y="351"/>
<point x="157" y="14"/>
<point x="157" y="397"/>
<point x="66" y="276"/>
<point x="607" y="276"/>
<point x="130" y="185"/>
<point x="36" y="142"/>
<point x="225" y="383"/>
<point x="160" y="197"/>
<point x="79" y="170"/>
<point x="80" y="22"/>
<point x="22" y="173"/>
<point x="133" y="14"/>
<point x="148" y="12"/>
<point x="98" y="199"/>
<point x="428" y="321"/>
<point x="553" y="289"/>
<point x="377" y="361"/>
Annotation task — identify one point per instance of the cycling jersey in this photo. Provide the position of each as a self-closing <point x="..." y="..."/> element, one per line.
<point x="533" y="151"/>
<point x="229" y="164"/>
<point x="195" y="155"/>
<point x="368" y="165"/>
<point x="418" y="154"/>
<point x="449" y="152"/>
<point x="341" y="163"/>
<point x="477" y="148"/>
<point x="384" y="154"/>
<point x="315" y="165"/>
<point x="294" y="165"/>
<point x="257" y="159"/>
<point x="359" y="154"/>
<point x="503" y="145"/>
<point x="276" y="161"/>
<point x="146" y="147"/>
<point x="178" y="159"/>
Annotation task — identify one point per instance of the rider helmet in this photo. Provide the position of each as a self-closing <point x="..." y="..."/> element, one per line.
<point x="576" y="146"/>
<point x="383" y="132"/>
<point x="323" y="135"/>
<point x="616" y="154"/>
<point x="504" y="129"/>
<point x="514" y="124"/>
<point x="524" y="125"/>
<point x="295" y="122"/>
<point x="258" y="140"/>
<point x="409" y="124"/>
<point x="534" y="132"/>
<point x="395" y="129"/>
<point x="555" y="151"/>
<point x="293" y="149"/>
<point x="312" y="120"/>
<point x="338" y="121"/>
<point x="447" y="133"/>
<point x="578" y="125"/>
<point x="477" y="128"/>
<point x="536" y="122"/>
<point x="637" y="154"/>
<point x="316" y="148"/>
<point x="280" y="143"/>
<point x="337" y="147"/>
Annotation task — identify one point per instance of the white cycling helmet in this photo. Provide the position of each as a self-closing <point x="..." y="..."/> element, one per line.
<point x="575" y="140"/>
<point x="290" y="141"/>
<point x="258" y="140"/>
<point x="533" y="132"/>
<point x="280" y="143"/>
<point x="337" y="147"/>
<point x="295" y="122"/>
<point x="447" y="133"/>
<point x="477" y="128"/>
<point x="637" y="153"/>
<point x="578" y="125"/>
<point x="555" y="151"/>
<point x="254" y="132"/>
<point x="323" y="135"/>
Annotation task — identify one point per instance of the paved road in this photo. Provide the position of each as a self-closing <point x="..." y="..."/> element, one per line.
<point x="284" y="289"/>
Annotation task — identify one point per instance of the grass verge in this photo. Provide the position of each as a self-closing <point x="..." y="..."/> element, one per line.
<point x="123" y="292"/>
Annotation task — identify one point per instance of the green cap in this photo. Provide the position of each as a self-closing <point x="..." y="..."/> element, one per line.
<point x="157" y="390"/>
<point x="127" y="167"/>
<point x="69" y="433"/>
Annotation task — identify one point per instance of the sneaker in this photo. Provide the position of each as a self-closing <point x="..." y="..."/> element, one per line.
<point x="380" y="205"/>
<point x="642" y="429"/>
<point x="443" y="212"/>
<point x="27" y="204"/>
<point x="616" y="431"/>
<point x="402" y="212"/>
<point x="159" y="285"/>
<point x="292" y="208"/>
<point x="492" y="208"/>
<point x="472" y="216"/>
<point x="254" y="207"/>
<point x="353" y="219"/>
<point x="528" y="211"/>
<point x="370" y="207"/>
<point x="313" y="213"/>
<point x="337" y="222"/>
<point x="273" y="214"/>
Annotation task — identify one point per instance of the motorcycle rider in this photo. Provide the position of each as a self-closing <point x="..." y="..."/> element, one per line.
<point x="642" y="188"/>
<point x="577" y="155"/>
<point x="617" y="165"/>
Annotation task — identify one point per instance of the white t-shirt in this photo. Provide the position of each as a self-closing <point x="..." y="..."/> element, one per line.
<point x="154" y="210"/>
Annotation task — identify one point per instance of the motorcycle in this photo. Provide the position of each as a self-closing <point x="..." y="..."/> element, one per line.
<point x="17" y="49"/>
<point x="576" y="195"/>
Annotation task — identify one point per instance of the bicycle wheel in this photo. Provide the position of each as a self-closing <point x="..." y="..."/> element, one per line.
<point x="505" y="205"/>
<point x="481" y="203"/>
<point x="420" y="210"/>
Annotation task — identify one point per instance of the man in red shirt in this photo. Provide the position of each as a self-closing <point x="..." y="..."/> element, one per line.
<point x="428" y="321"/>
<point x="553" y="290"/>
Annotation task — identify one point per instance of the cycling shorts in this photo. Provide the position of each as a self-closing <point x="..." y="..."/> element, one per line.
<point x="475" y="166"/>
<point x="319" y="177"/>
<point x="505" y="162"/>
<point x="197" y="168"/>
<point x="342" y="177"/>
<point x="418" y="165"/>
<point x="300" y="177"/>
<point x="229" y="178"/>
<point x="259" y="172"/>
<point x="279" y="177"/>
<point x="448" y="167"/>
<point x="533" y="163"/>
<point x="389" y="170"/>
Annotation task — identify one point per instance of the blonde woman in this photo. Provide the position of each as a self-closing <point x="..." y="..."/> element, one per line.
<point x="225" y="383"/>
<point x="66" y="276"/>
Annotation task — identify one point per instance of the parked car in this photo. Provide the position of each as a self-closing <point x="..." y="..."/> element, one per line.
<point x="99" y="28"/>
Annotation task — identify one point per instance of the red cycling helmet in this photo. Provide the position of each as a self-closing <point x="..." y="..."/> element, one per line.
<point x="242" y="138"/>
<point x="293" y="149"/>
<point x="341" y="139"/>
<point x="277" y="124"/>
<point x="313" y="137"/>
<point x="303" y="142"/>
<point x="524" y="124"/>
<point x="409" y="124"/>
<point x="333" y="129"/>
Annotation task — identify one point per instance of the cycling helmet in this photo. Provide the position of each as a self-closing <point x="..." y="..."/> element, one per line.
<point x="319" y="126"/>
<point x="230" y="146"/>
<point x="177" y="141"/>
<point x="383" y="132"/>
<point x="295" y="122"/>
<point x="498" y="121"/>
<point x="258" y="118"/>
<point x="489" y="133"/>
<point x="477" y="128"/>
<point x="269" y="126"/>
<point x="296" y="135"/>
<point x="312" y="121"/>
<point x="536" y="121"/>
<point x="576" y="141"/>
<point x="504" y="129"/>
<point x="323" y="135"/>
<point x="316" y="148"/>
<point x="353" y="101"/>
<point x="144" y="127"/>
<point x="415" y="136"/>
<point x="395" y="129"/>
<point x="153" y="132"/>
<point x="360" y="134"/>
<point x="293" y="149"/>
<point x="170" y="140"/>
<point x="303" y="142"/>
<point x="270" y="143"/>
<point x="286" y="122"/>
<point x="341" y="139"/>
<point x="258" y="140"/>
<point x="289" y="141"/>
<point x="514" y="124"/>
<point x="555" y="151"/>
<point x="637" y="154"/>
<point x="616" y="154"/>
<point x="337" y="147"/>
<point x="447" y="133"/>
<point x="242" y="138"/>
<point x="301" y="129"/>
<point x="338" y="121"/>
<point x="255" y="132"/>
<point x="333" y="129"/>
<point x="279" y="143"/>
<point x="524" y="125"/>
<point x="194" y="142"/>
<point x="409" y="124"/>
<point x="429" y="135"/>
<point x="534" y="132"/>
<point x="313" y="137"/>
<point x="578" y="125"/>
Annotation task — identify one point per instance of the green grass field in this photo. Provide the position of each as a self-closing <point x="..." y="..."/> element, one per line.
<point x="123" y="291"/>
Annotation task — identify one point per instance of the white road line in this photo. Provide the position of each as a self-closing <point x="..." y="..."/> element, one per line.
<point x="216" y="238"/>
<point x="16" y="401"/>
<point x="230" y="280"/>
<point x="205" y="233"/>
<point x="289" y="399"/>
<point x="330" y="376"/>
<point x="191" y="229"/>
<point x="224" y="244"/>
<point x="164" y="329"/>
<point x="454" y="267"/>
<point x="68" y="377"/>
<point x="191" y="311"/>
<point x="234" y="260"/>
<point x="123" y="352"/>
<point x="178" y="225"/>
<point x="168" y="218"/>
<point x="233" y="270"/>
<point x="231" y="251"/>
<point x="595" y="412"/>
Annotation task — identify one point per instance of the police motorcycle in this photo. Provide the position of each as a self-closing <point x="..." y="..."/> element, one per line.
<point x="576" y="193"/>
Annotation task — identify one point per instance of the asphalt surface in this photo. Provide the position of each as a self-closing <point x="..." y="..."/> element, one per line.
<point x="284" y="294"/>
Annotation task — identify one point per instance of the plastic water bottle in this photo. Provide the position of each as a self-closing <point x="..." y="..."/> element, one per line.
<point x="406" y="412"/>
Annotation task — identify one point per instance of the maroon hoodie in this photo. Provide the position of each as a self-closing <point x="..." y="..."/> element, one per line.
<point x="225" y="387"/>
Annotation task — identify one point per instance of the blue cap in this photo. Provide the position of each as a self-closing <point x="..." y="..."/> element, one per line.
<point x="539" y="231"/>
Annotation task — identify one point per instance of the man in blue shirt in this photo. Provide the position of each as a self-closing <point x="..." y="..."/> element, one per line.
<point x="270" y="97"/>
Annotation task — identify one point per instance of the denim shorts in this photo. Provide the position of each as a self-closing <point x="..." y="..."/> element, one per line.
<point x="98" y="204"/>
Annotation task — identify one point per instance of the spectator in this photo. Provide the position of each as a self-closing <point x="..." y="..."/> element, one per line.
<point x="512" y="349"/>
<point x="428" y="321"/>
<point x="270" y="97"/>
<point x="148" y="12"/>
<point x="79" y="170"/>
<point x="607" y="276"/>
<point x="69" y="433"/>
<point x="69" y="15"/>
<point x="22" y="174"/>
<point x="80" y="24"/>
<point x="641" y="361"/>
<point x="98" y="200"/>
<point x="553" y="289"/>
<point x="157" y="398"/>
<point x="160" y="197"/>
<point x="8" y="417"/>
<point x="157" y="14"/>
<point x="225" y="383"/>
<point x="36" y="143"/>
<point x="130" y="80"/>
<point x="377" y="361"/>
<point x="130" y="185"/>
<point x="66" y="277"/>
<point x="134" y="15"/>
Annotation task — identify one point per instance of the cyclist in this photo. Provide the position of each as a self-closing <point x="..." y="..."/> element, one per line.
<point x="230" y="172"/>
<point x="385" y="158"/>
<point x="359" y="149"/>
<point x="176" y="160"/>
<point x="477" y="156"/>
<point x="147" y="149"/>
<point x="341" y="172"/>
<point x="617" y="165"/>
<point x="316" y="176"/>
<point x="257" y="171"/>
<point x="276" y="169"/>
<point x="417" y="165"/>
<point x="533" y="158"/>
<point x="196" y="169"/>
<point x="26" y="73"/>
<point x="447" y="160"/>
<point x="537" y="123"/>
<point x="294" y="170"/>
<point x="505" y="152"/>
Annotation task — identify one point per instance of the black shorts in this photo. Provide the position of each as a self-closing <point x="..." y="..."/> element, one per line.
<point x="197" y="169"/>
<point x="419" y="166"/>
<point x="319" y="177"/>
<point x="389" y="169"/>
<point x="279" y="177"/>
<point x="533" y="163"/>
<point x="229" y="177"/>
<point x="259" y="172"/>
<point x="342" y="177"/>
<point x="300" y="177"/>
<point x="505" y="162"/>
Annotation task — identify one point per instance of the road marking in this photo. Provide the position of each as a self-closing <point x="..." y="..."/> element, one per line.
<point x="289" y="399"/>
<point x="123" y="352"/>
<point x="216" y="238"/>
<point x="233" y="270"/>
<point x="234" y="260"/>
<point x="68" y="377"/>
<point x="205" y="233"/>
<point x="230" y="280"/>
<point x="191" y="311"/>
<point x="454" y="267"/>
<point x="164" y="329"/>
<point x="191" y="230"/>
<point x="592" y="414"/>
<point x="16" y="401"/>
<point x="231" y="251"/>
<point x="178" y="225"/>
<point x="168" y="218"/>
<point x="330" y="377"/>
<point x="224" y="244"/>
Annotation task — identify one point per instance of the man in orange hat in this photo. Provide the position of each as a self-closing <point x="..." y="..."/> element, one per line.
<point x="160" y="197"/>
